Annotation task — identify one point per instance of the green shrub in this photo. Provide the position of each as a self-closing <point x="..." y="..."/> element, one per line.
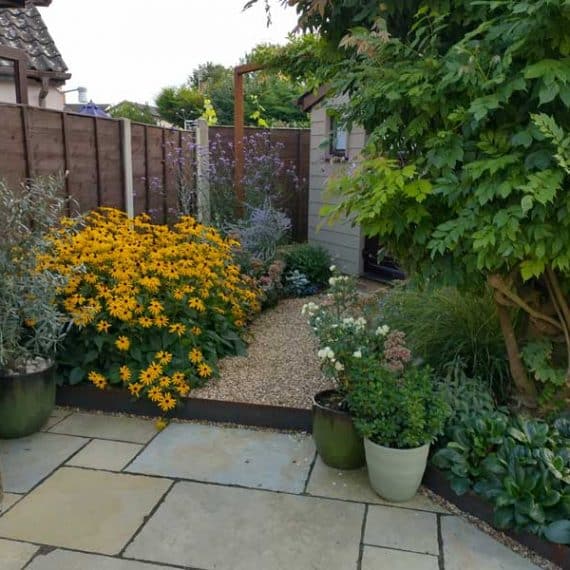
<point x="520" y="465"/>
<point x="402" y="410"/>
<point x="445" y="325"/>
<point x="312" y="261"/>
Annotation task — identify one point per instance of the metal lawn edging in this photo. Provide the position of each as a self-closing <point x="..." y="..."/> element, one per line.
<point x="88" y="397"/>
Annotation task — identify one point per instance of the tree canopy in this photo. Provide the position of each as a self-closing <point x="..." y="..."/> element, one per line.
<point x="270" y="97"/>
<point x="133" y="111"/>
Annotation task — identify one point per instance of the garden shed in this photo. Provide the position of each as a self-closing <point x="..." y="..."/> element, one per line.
<point x="333" y="150"/>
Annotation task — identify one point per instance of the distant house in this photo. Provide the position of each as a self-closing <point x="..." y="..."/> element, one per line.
<point x="24" y="29"/>
<point x="333" y="149"/>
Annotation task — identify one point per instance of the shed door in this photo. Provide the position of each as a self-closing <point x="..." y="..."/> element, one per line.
<point x="377" y="265"/>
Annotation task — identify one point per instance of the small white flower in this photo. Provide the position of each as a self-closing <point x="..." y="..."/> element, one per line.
<point x="322" y="354"/>
<point x="382" y="330"/>
<point x="332" y="281"/>
<point x="332" y="268"/>
<point x="357" y="354"/>
<point x="338" y="366"/>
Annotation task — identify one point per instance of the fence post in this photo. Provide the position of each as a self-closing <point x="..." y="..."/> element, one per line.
<point x="202" y="171"/>
<point x="127" y="159"/>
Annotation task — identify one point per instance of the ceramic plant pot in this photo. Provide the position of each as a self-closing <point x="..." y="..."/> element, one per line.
<point x="395" y="474"/>
<point x="335" y="436"/>
<point x="26" y="401"/>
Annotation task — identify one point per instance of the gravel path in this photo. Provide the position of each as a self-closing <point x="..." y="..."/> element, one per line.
<point x="281" y="367"/>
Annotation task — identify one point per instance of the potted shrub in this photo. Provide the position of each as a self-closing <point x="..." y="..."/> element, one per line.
<point x="30" y="324"/>
<point x="344" y="334"/>
<point x="399" y="411"/>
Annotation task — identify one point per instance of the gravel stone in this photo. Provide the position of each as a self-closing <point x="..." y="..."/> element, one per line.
<point x="281" y="367"/>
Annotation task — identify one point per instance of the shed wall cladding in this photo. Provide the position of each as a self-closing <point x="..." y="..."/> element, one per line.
<point x="342" y="240"/>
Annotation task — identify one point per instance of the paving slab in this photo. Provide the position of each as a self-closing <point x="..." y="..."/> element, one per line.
<point x="9" y="500"/>
<point x="353" y="485"/>
<point x="465" y="547"/>
<point x="120" y="428"/>
<point x="15" y="555"/>
<point x="403" y="529"/>
<point x="385" y="559"/>
<point x="229" y="528"/>
<point x="56" y="416"/>
<point x="28" y="460"/>
<point x="105" y="454"/>
<point x="93" y="511"/>
<point x="67" y="560"/>
<point x="251" y="458"/>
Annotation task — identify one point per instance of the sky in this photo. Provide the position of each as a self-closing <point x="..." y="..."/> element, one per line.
<point x="130" y="49"/>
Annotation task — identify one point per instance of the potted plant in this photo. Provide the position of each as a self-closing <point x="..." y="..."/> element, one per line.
<point x="343" y="335"/>
<point x="30" y="324"/>
<point x="399" y="411"/>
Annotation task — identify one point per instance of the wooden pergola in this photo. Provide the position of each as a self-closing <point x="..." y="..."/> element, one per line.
<point x="239" y="130"/>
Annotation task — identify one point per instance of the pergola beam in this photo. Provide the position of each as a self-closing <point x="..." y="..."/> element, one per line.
<point x="239" y="131"/>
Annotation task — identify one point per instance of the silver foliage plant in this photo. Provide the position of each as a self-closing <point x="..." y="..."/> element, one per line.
<point x="31" y="325"/>
<point x="261" y="231"/>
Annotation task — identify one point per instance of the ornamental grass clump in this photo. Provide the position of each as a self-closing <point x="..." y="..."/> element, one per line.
<point x="153" y="307"/>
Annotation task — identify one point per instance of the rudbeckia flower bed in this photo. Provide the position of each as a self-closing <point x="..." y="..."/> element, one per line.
<point x="153" y="307"/>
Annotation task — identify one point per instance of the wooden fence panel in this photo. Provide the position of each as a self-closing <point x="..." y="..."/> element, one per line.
<point x="155" y="172"/>
<point x="82" y="163"/>
<point x="12" y="146"/>
<point x="37" y="141"/>
<point x="139" y="168"/>
<point x="109" y="163"/>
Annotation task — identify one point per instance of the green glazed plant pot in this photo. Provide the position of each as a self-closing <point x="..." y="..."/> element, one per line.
<point x="395" y="474"/>
<point x="26" y="401"/>
<point x="335" y="436"/>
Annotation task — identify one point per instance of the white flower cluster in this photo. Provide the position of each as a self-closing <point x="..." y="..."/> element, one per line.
<point x="352" y="323"/>
<point x="340" y="279"/>
<point x="357" y="354"/>
<point x="382" y="330"/>
<point x="332" y="268"/>
<point x="309" y="309"/>
<point x="327" y="353"/>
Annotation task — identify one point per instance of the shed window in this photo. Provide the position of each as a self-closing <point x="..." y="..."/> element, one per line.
<point x="338" y="138"/>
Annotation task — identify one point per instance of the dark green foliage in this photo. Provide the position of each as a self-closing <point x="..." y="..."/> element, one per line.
<point x="521" y="465"/>
<point x="133" y="111"/>
<point x="400" y="411"/>
<point x="179" y="104"/>
<point x="445" y="325"/>
<point x="312" y="261"/>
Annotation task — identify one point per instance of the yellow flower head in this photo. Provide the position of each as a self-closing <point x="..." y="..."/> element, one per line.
<point x="195" y="356"/>
<point x="204" y="371"/>
<point x="103" y="326"/>
<point x="123" y="343"/>
<point x="125" y="373"/>
<point x="145" y="322"/>
<point x="135" y="389"/>
<point x="163" y="357"/>
<point x="155" y="307"/>
<point x="177" y="328"/>
<point x="98" y="379"/>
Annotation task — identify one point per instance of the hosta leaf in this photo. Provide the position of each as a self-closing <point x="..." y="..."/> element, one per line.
<point x="558" y="531"/>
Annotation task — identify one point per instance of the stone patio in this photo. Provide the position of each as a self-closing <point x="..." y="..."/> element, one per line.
<point x="96" y="492"/>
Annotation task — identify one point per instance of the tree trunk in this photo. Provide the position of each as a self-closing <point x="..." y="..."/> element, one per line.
<point x="525" y="386"/>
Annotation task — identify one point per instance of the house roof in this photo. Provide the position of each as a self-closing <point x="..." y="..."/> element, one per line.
<point x="311" y="98"/>
<point x="24" y="28"/>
